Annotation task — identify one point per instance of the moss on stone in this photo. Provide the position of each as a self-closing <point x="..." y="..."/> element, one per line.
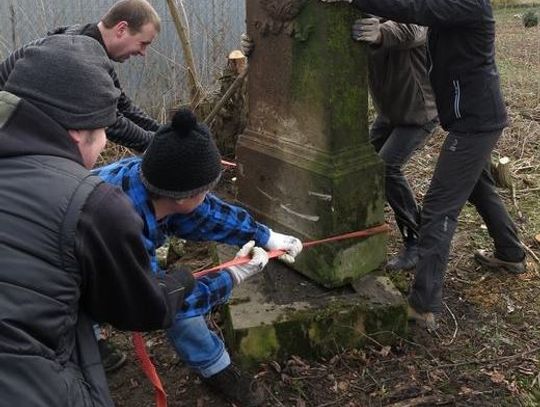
<point x="341" y="323"/>
<point x="341" y="98"/>
<point x="260" y="343"/>
<point x="337" y="264"/>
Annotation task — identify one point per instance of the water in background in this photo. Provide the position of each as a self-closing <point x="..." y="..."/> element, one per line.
<point x="157" y="80"/>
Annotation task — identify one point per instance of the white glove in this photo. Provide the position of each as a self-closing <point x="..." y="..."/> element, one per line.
<point x="289" y="244"/>
<point x="259" y="259"/>
<point x="367" y="30"/>
<point x="246" y="44"/>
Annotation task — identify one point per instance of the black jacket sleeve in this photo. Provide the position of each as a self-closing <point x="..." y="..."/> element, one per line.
<point x="134" y="128"/>
<point x="429" y="12"/>
<point x="128" y="134"/>
<point x="118" y="286"/>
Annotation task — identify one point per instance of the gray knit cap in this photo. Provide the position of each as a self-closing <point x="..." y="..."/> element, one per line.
<point x="68" y="77"/>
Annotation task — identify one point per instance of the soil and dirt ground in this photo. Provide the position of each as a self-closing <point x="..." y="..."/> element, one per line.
<point x="487" y="350"/>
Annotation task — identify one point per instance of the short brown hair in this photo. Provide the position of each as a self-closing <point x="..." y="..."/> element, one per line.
<point x="136" y="13"/>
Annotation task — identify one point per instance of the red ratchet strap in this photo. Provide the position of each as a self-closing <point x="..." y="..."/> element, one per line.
<point x="138" y="342"/>
<point x="276" y="253"/>
<point x="228" y="163"/>
<point x="149" y="369"/>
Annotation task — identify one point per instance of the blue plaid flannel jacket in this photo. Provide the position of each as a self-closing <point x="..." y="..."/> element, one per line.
<point x="213" y="220"/>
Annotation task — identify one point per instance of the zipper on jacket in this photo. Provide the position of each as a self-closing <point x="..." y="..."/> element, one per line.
<point x="457" y="98"/>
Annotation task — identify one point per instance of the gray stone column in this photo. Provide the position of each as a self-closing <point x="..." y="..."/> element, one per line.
<point x="305" y="164"/>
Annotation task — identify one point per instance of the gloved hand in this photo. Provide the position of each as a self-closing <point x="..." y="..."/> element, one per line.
<point x="290" y="244"/>
<point x="336" y="1"/>
<point x="259" y="259"/>
<point x="367" y="30"/>
<point x="176" y="285"/>
<point x="246" y="44"/>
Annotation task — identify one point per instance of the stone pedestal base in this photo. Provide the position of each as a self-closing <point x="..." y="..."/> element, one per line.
<point x="309" y="194"/>
<point x="280" y="313"/>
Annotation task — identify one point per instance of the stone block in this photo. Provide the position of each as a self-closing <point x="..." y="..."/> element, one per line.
<point x="280" y="313"/>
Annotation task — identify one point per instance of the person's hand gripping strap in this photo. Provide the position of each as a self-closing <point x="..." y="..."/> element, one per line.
<point x="290" y="244"/>
<point x="259" y="259"/>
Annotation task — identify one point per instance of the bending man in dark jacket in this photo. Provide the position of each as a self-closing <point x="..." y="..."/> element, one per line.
<point x="464" y="77"/>
<point x="70" y="244"/>
<point x="406" y="116"/>
<point x="127" y="29"/>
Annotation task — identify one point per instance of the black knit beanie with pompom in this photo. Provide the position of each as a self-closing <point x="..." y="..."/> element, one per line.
<point x="182" y="159"/>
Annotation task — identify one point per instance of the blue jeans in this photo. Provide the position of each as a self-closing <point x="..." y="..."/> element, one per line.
<point x="198" y="347"/>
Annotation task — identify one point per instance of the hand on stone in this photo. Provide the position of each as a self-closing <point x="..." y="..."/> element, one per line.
<point x="367" y="30"/>
<point x="246" y="45"/>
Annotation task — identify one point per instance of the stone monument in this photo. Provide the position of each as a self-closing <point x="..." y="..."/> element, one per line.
<point x="305" y="163"/>
<point x="306" y="167"/>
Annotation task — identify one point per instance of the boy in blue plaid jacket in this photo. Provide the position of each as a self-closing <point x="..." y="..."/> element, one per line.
<point x="169" y="187"/>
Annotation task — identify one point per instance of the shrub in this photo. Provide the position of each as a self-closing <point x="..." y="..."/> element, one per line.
<point x="530" y="19"/>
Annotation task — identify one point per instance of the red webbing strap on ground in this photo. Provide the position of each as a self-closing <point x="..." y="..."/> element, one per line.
<point x="149" y="369"/>
<point x="138" y="342"/>
<point x="276" y="253"/>
<point x="228" y="163"/>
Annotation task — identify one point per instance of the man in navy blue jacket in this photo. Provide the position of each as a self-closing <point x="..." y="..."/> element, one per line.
<point x="464" y="77"/>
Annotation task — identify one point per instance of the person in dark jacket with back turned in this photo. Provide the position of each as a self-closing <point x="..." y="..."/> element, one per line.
<point x="70" y="244"/>
<point x="406" y="116"/>
<point x="126" y="29"/>
<point x="464" y="77"/>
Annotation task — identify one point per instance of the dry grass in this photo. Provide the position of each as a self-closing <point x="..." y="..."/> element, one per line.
<point x="514" y="3"/>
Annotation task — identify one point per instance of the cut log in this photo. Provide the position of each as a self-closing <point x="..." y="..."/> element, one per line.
<point x="235" y="85"/>
<point x="237" y="61"/>
<point x="500" y="170"/>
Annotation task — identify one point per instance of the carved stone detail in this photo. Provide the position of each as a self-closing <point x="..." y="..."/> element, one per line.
<point x="281" y="14"/>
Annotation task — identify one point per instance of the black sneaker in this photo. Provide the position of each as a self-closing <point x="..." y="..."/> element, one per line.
<point x="489" y="260"/>
<point x="236" y="387"/>
<point x="111" y="357"/>
<point x="405" y="260"/>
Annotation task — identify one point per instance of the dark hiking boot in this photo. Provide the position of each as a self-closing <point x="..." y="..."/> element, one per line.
<point x="489" y="260"/>
<point x="423" y="319"/>
<point x="236" y="387"/>
<point x="405" y="260"/>
<point x="112" y="358"/>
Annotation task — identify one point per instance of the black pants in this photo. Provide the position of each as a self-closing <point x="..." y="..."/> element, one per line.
<point x="462" y="173"/>
<point x="395" y="145"/>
